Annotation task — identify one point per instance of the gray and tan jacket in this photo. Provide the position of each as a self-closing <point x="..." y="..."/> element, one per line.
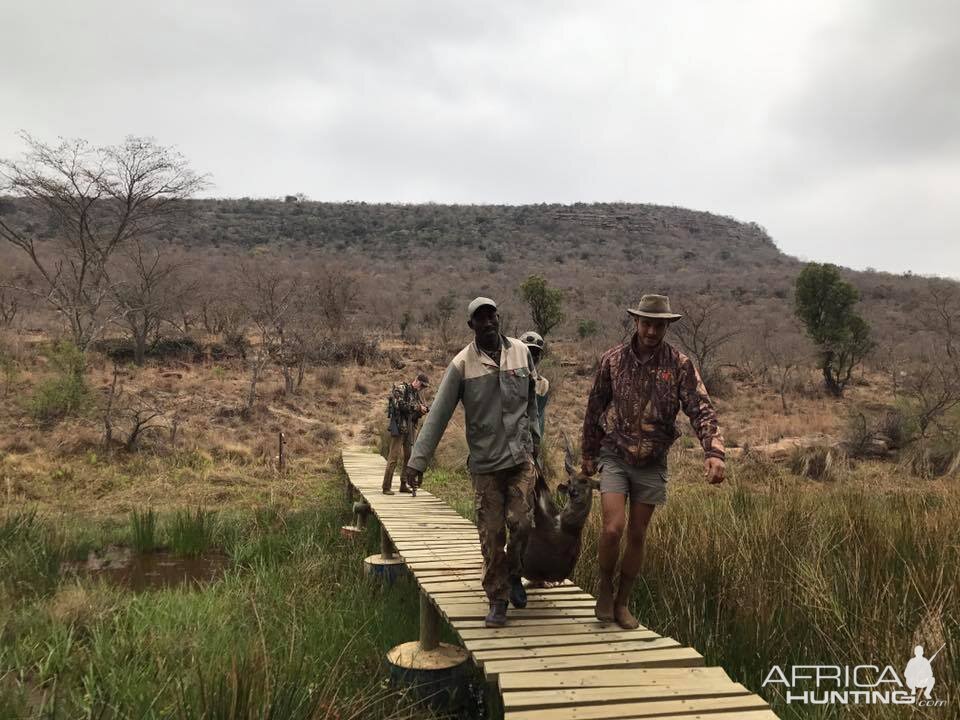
<point x="499" y="405"/>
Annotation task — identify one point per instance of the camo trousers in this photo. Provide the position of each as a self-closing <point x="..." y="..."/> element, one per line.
<point x="504" y="501"/>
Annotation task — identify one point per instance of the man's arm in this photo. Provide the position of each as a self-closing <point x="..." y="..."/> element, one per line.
<point x="445" y="402"/>
<point x="698" y="406"/>
<point x="597" y="403"/>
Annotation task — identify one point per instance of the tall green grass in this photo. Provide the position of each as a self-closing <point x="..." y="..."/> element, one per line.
<point x="806" y="575"/>
<point x="191" y="533"/>
<point x="793" y="572"/>
<point x="293" y="631"/>
<point x="143" y="530"/>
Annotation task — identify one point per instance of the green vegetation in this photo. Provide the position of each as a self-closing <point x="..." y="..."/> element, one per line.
<point x="192" y="533"/>
<point x="66" y="393"/>
<point x="292" y="631"/>
<point x="824" y="302"/>
<point x="546" y="303"/>
<point x="753" y="578"/>
<point x="587" y="328"/>
<point x="143" y="527"/>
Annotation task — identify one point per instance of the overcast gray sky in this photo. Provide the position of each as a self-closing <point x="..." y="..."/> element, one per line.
<point x="833" y="123"/>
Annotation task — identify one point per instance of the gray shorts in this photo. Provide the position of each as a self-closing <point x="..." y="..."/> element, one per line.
<point x="641" y="484"/>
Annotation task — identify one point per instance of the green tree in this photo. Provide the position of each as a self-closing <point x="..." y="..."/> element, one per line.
<point x="545" y="303"/>
<point x="825" y="303"/>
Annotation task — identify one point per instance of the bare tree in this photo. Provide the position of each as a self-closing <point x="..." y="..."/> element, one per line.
<point x="98" y="199"/>
<point x="140" y="412"/>
<point x="784" y="351"/>
<point x="941" y="316"/>
<point x="336" y="293"/>
<point x="147" y="295"/>
<point x="267" y="297"/>
<point x="934" y="391"/>
<point x="702" y="333"/>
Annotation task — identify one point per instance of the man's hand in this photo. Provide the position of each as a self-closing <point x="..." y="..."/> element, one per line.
<point x="412" y="478"/>
<point x="714" y="470"/>
<point x="424" y="409"/>
<point x="588" y="467"/>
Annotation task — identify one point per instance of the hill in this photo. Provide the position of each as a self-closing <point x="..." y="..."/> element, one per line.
<point x="604" y="256"/>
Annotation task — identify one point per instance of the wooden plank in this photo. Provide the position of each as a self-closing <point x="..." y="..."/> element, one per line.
<point x="736" y="715"/>
<point x="451" y="564"/>
<point x="646" y="709"/>
<point x="552" y="640"/>
<point x="552" y="657"/>
<point x="670" y="657"/>
<point x="609" y="678"/>
<point x="466" y="612"/>
<point x="534" y="699"/>
<point x="483" y="656"/>
<point x="478" y="595"/>
<point x="556" y="626"/>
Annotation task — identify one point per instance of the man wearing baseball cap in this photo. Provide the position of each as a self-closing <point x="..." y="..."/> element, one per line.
<point x="494" y="378"/>
<point x="629" y="425"/>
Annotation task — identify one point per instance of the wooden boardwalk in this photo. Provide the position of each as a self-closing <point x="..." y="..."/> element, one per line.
<point x="554" y="660"/>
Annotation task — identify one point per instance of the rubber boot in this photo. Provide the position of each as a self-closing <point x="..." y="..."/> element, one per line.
<point x="497" y="617"/>
<point x="518" y="594"/>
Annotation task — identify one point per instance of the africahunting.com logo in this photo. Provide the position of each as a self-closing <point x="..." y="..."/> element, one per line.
<point x="859" y="684"/>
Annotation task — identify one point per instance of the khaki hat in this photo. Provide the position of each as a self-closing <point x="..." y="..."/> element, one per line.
<point x="532" y="340"/>
<point x="656" y="307"/>
<point x="478" y="303"/>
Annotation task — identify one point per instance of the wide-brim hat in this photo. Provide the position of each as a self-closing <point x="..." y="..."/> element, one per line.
<point x="656" y="307"/>
<point x="532" y="340"/>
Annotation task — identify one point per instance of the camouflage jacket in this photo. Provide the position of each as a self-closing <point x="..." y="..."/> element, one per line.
<point x="403" y="408"/>
<point x="633" y="405"/>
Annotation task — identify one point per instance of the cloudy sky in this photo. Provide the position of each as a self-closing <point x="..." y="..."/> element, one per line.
<point x="833" y="123"/>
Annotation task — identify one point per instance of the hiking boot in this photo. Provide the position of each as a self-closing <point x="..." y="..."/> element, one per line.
<point x="497" y="617"/>
<point x="518" y="594"/>
<point x="405" y="489"/>
<point x="388" y="492"/>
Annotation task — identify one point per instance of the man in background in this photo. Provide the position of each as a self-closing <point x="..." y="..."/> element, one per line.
<point x="405" y="407"/>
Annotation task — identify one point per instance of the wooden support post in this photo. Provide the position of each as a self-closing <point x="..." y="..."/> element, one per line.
<point x="429" y="624"/>
<point x="387" y="549"/>
<point x="361" y="510"/>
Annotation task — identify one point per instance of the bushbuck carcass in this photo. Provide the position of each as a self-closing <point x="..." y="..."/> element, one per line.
<point x="554" y="545"/>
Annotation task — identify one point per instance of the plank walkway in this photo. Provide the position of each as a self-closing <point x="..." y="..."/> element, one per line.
<point x="554" y="660"/>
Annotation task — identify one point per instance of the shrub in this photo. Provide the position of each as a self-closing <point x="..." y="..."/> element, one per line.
<point x="329" y="376"/>
<point x="66" y="393"/>
<point x="587" y="328"/>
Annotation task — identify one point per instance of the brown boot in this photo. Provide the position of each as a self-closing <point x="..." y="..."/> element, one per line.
<point x="604" y="608"/>
<point x="621" y="611"/>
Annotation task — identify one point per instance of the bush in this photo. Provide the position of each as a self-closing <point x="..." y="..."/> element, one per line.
<point x="587" y="328"/>
<point x="330" y="376"/>
<point x="66" y="393"/>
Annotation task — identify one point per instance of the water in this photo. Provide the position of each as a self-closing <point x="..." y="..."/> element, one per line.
<point x="151" y="571"/>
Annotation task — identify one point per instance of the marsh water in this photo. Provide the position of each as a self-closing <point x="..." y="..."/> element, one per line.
<point x="152" y="570"/>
